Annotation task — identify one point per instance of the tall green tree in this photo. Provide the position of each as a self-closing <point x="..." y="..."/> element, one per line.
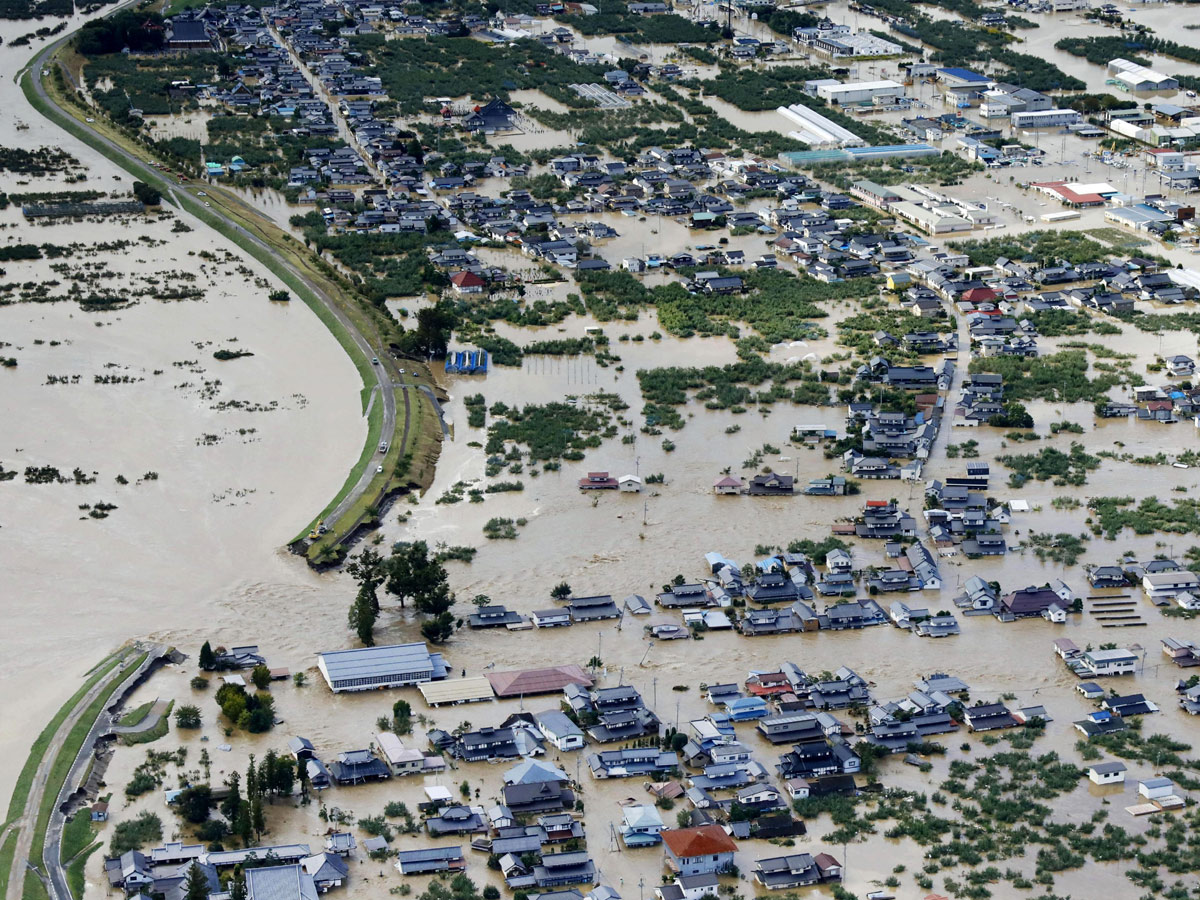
<point x="208" y="659"/>
<point x="369" y="569"/>
<point x="233" y="800"/>
<point x="258" y="818"/>
<point x="438" y="629"/>
<point x="266" y="772"/>
<point x="362" y="618"/>
<point x="195" y="886"/>
<point x="253" y="788"/>
<point x="260" y="675"/>
<point x="412" y="574"/>
<point x="243" y="825"/>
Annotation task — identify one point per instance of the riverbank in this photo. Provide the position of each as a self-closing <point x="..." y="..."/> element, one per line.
<point x="362" y="331"/>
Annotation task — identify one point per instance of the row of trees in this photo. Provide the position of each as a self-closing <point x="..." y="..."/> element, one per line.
<point x="242" y="810"/>
<point x="409" y="575"/>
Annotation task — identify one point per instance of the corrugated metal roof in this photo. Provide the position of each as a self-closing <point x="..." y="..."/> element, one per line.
<point x="366" y="662"/>
<point x="458" y="690"/>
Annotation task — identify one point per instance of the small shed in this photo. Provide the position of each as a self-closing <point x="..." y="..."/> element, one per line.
<point x="1107" y="773"/>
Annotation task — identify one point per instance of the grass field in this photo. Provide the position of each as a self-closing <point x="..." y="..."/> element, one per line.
<point x="7" y="851"/>
<point x="135" y="716"/>
<point x="161" y="727"/>
<point x="75" y="879"/>
<point x="77" y="834"/>
<point x="1118" y="238"/>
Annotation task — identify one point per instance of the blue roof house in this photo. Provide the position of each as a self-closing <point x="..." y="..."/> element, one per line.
<point x="745" y="708"/>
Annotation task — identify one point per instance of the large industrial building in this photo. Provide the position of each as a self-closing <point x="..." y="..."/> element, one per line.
<point x="860" y="92"/>
<point x="1004" y="100"/>
<point x="371" y="668"/>
<point x="1046" y="118"/>
<point x="817" y="131"/>
<point x="1139" y="78"/>
<point x="1077" y="195"/>
<point x="840" y="42"/>
<point x="924" y="208"/>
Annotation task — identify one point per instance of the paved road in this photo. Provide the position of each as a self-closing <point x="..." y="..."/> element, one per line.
<point x="216" y="196"/>
<point x="149" y="721"/>
<point x="51" y="849"/>
<point x="938" y="450"/>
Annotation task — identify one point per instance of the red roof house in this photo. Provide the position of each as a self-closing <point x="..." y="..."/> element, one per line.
<point x="467" y="283"/>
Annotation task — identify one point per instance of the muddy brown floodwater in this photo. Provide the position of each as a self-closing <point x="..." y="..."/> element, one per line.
<point x="181" y="550"/>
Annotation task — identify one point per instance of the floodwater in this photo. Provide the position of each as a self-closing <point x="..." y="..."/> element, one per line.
<point x="1162" y="18"/>
<point x="201" y="542"/>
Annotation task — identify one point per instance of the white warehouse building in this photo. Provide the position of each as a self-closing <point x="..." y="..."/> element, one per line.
<point x="817" y="131"/>
<point x="859" y="91"/>
<point x="1046" y="118"/>
<point x="1139" y="78"/>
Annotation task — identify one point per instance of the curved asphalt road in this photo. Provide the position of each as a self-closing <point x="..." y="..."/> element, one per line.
<point x="383" y="381"/>
<point x="57" y="883"/>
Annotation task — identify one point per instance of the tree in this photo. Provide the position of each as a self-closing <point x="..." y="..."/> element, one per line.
<point x="208" y="659"/>
<point x="243" y="825"/>
<point x="146" y="194"/>
<point x="199" y="683"/>
<point x="196" y="886"/>
<point x="302" y="776"/>
<point x="411" y="573"/>
<point x="299" y="679"/>
<point x="431" y="337"/>
<point x="187" y="716"/>
<point x="253" y="788"/>
<point x="283" y="779"/>
<point x="362" y="618"/>
<point x="369" y="570"/>
<point x="237" y="885"/>
<point x="437" y="600"/>
<point x="195" y="802"/>
<point x="231" y="805"/>
<point x="261" y="676"/>
<point x="438" y="629"/>
<point x="258" y="817"/>
<point x="401" y="717"/>
<point x="561" y="591"/>
<point x="480" y="600"/>
<point x="206" y="763"/>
